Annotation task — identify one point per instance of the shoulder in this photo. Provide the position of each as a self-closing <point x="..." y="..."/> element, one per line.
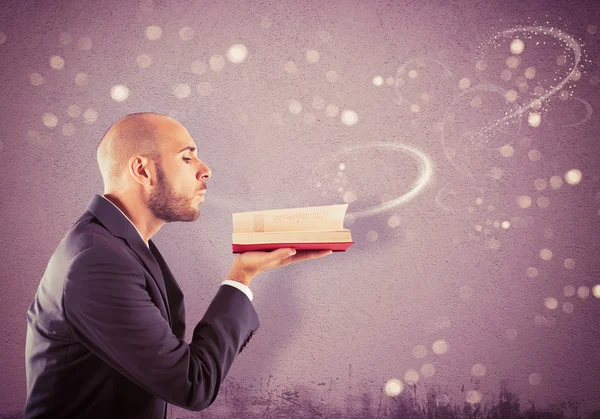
<point x="87" y="231"/>
<point x="96" y="256"/>
<point x="102" y="260"/>
<point x="89" y="242"/>
<point x="101" y="275"/>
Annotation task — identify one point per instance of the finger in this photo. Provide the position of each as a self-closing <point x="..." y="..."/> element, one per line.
<point x="279" y="254"/>
<point x="310" y="254"/>
<point x="304" y="255"/>
<point x="321" y="252"/>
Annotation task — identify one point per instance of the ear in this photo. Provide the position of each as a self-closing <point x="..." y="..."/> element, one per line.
<point x="142" y="170"/>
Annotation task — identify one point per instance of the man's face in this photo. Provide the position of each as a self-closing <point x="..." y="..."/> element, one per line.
<point x="180" y="177"/>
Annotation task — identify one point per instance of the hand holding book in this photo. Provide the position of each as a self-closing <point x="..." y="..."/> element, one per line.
<point x="249" y="264"/>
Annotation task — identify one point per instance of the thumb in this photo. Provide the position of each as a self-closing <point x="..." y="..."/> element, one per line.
<point x="283" y="253"/>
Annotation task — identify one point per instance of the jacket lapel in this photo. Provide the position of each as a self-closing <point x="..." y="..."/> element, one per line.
<point x="174" y="295"/>
<point x="118" y="225"/>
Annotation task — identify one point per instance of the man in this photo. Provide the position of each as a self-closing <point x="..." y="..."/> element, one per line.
<point x="106" y="327"/>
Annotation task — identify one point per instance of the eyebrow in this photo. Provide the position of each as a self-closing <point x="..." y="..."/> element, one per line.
<point x="187" y="148"/>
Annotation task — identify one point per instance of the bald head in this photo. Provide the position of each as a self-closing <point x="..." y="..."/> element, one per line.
<point x="138" y="134"/>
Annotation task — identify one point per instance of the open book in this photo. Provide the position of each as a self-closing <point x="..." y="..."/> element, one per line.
<point x="312" y="228"/>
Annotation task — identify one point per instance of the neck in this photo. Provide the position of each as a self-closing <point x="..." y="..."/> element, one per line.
<point x="138" y="214"/>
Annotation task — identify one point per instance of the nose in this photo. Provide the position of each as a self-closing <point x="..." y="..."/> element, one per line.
<point x="204" y="171"/>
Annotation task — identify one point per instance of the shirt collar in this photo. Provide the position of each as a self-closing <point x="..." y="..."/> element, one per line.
<point x="127" y="219"/>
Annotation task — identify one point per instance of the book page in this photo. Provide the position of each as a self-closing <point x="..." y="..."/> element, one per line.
<point x="328" y="217"/>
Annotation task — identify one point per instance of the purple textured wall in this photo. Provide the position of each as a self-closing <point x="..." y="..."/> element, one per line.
<point x="463" y="135"/>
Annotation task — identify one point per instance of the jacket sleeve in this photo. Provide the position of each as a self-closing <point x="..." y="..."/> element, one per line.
<point x="111" y="313"/>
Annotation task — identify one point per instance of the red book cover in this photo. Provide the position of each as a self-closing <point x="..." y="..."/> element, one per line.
<point x="336" y="247"/>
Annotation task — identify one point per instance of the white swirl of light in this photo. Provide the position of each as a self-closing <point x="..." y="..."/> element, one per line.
<point x="588" y="110"/>
<point x="425" y="174"/>
<point x="469" y="142"/>
<point x="484" y="87"/>
<point x="561" y="36"/>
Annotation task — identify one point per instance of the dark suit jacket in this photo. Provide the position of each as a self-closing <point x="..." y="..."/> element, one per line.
<point x="105" y="331"/>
